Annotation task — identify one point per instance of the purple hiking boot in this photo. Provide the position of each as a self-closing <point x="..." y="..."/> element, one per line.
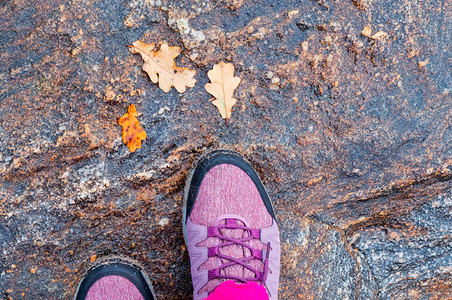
<point x="115" y="278"/>
<point x="230" y="227"/>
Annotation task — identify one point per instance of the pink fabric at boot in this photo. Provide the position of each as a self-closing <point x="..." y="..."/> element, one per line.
<point x="229" y="290"/>
<point x="228" y="190"/>
<point x="228" y="195"/>
<point x="113" y="287"/>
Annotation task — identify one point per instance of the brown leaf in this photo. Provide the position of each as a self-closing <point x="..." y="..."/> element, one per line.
<point x="423" y="63"/>
<point x="222" y="86"/>
<point x="132" y="132"/>
<point x="379" y="35"/>
<point x="161" y="67"/>
<point x="367" y="31"/>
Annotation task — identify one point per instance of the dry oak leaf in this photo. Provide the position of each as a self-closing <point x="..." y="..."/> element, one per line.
<point x="161" y="67"/>
<point x="222" y="85"/>
<point x="132" y="132"/>
<point x="367" y="31"/>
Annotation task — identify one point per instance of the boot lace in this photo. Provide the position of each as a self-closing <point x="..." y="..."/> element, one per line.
<point x="215" y="231"/>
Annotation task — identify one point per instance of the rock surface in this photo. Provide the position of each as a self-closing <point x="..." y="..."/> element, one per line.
<point x="344" y="109"/>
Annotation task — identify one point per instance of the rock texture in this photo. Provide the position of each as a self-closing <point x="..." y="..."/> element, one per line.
<point x="344" y="109"/>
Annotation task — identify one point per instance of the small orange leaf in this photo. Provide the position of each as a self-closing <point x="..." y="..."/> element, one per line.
<point x="222" y="85"/>
<point x="132" y="132"/>
<point x="161" y="67"/>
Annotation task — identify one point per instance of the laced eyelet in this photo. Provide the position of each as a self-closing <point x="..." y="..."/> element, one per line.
<point x="212" y="251"/>
<point x="213" y="274"/>
<point x="212" y="231"/>
<point x="244" y="242"/>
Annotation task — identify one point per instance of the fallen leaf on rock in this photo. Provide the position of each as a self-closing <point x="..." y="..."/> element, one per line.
<point x="132" y="132"/>
<point x="379" y="35"/>
<point x="293" y="12"/>
<point x="367" y="31"/>
<point x="423" y="63"/>
<point x="222" y="85"/>
<point x="161" y="67"/>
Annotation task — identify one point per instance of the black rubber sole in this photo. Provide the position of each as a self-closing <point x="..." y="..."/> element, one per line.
<point x="120" y="266"/>
<point x="211" y="160"/>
